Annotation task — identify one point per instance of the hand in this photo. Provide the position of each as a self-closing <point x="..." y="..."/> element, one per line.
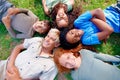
<point x="12" y="76"/>
<point x="6" y="21"/>
<point x="46" y="10"/>
<point x="12" y="11"/>
<point x="12" y="73"/>
<point x="105" y="40"/>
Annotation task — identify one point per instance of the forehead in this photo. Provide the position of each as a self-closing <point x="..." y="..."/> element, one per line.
<point x="53" y="34"/>
<point x="62" y="59"/>
<point x="69" y="38"/>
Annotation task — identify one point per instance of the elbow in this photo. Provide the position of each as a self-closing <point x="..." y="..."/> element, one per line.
<point x="111" y="30"/>
<point x="98" y="10"/>
<point x="47" y="13"/>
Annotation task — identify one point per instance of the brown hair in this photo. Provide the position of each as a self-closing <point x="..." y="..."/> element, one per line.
<point x="47" y="25"/>
<point x="77" y="10"/>
<point x="72" y="15"/>
<point x="56" y="8"/>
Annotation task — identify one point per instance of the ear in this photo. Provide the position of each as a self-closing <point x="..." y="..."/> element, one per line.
<point x="57" y="44"/>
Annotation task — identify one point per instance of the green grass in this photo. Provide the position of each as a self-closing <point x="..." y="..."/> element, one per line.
<point x="7" y="43"/>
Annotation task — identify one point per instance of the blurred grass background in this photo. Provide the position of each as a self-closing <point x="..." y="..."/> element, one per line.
<point x="7" y="43"/>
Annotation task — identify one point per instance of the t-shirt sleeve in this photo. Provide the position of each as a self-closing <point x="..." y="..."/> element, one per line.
<point x="28" y="42"/>
<point x="82" y="20"/>
<point x="91" y="39"/>
<point x="106" y="57"/>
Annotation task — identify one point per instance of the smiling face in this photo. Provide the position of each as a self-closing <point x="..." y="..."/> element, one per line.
<point x="41" y="26"/>
<point x="52" y="39"/>
<point x="74" y="35"/>
<point x="61" y="18"/>
<point x="68" y="60"/>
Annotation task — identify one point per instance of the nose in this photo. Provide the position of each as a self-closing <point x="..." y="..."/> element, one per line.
<point x="77" y="34"/>
<point x="70" y="62"/>
<point x="61" y="15"/>
<point x="47" y="39"/>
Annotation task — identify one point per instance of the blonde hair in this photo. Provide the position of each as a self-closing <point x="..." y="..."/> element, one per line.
<point x="56" y="32"/>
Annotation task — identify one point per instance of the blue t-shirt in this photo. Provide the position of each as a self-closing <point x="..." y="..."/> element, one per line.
<point x="90" y="29"/>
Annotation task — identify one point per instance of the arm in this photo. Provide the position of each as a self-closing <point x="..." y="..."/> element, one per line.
<point x="46" y="10"/>
<point x="98" y="13"/>
<point x="107" y="58"/>
<point x="11" y="71"/>
<point x="14" y="76"/>
<point x="6" y="21"/>
<point x="72" y="2"/>
<point x="106" y="30"/>
<point x="101" y="56"/>
<point x="13" y="56"/>
<point x="13" y="11"/>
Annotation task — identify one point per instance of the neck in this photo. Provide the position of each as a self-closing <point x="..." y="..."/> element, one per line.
<point x="45" y="51"/>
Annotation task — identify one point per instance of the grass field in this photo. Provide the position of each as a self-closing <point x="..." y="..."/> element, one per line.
<point x="7" y="43"/>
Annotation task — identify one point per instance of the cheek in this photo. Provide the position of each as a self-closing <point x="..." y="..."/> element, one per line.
<point x="57" y="17"/>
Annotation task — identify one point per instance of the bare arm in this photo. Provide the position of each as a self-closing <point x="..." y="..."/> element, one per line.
<point x="13" y="11"/>
<point x="15" y="52"/>
<point x="72" y="2"/>
<point x="106" y="30"/>
<point x="46" y="10"/>
<point x="7" y="22"/>
<point x="98" y="13"/>
<point x="11" y="71"/>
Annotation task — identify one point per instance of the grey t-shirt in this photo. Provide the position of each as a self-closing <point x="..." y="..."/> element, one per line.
<point x="93" y="67"/>
<point x="21" y="24"/>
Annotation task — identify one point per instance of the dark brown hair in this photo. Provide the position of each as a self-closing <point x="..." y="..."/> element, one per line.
<point x="56" y="8"/>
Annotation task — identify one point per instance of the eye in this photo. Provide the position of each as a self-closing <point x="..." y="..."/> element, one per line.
<point x="53" y="39"/>
<point x="71" y="33"/>
<point x="47" y="36"/>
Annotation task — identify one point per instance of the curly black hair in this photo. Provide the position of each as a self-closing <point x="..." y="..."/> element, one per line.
<point x="64" y="43"/>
